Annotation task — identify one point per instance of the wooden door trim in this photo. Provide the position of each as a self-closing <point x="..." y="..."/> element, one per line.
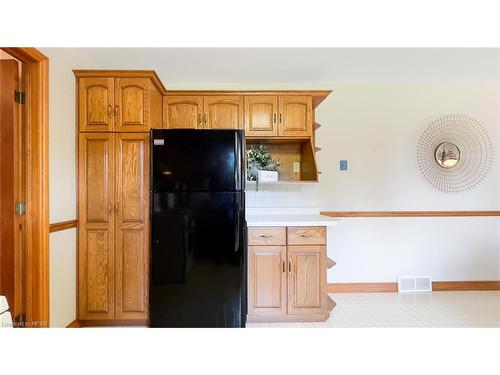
<point x="62" y="225"/>
<point x="36" y="115"/>
<point x="410" y="213"/>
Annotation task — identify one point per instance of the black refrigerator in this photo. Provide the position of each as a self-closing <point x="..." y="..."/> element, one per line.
<point x="198" y="229"/>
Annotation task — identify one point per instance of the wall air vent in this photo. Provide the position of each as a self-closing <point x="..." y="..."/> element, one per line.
<point x="414" y="284"/>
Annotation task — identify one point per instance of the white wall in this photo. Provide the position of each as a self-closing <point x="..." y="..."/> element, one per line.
<point x="374" y="126"/>
<point x="381" y="100"/>
<point x="62" y="278"/>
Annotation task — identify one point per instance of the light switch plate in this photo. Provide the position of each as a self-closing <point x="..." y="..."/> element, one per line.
<point x="343" y="165"/>
<point x="296" y="166"/>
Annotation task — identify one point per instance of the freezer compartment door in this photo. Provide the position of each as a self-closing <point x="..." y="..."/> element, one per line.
<point x="197" y="160"/>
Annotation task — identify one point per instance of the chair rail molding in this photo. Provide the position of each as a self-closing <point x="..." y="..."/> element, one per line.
<point x="62" y="225"/>
<point x="411" y="213"/>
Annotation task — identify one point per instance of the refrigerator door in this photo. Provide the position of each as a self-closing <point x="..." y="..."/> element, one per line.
<point x="197" y="160"/>
<point x="198" y="260"/>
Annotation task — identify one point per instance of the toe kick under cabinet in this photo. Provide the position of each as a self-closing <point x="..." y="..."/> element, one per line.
<point x="287" y="274"/>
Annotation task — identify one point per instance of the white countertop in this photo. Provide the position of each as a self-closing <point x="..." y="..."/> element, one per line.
<point x="290" y="220"/>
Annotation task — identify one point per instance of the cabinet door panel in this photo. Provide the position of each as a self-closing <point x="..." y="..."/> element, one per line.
<point x="261" y="115"/>
<point x="132" y="104"/>
<point x="96" y="226"/>
<point x="132" y="228"/>
<point x="306" y="282"/>
<point x="182" y="112"/>
<point x="295" y="119"/>
<point x="223" y="112"/>
<point x="95" y="104"/>
<point x="266" y="280"/>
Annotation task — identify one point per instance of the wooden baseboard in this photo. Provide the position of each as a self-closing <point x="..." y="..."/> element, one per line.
<point x="466" y="285"/>
<point x="393" y="287"/>
<point x="361" y="287"/>
<point x="74" y="324"/>
<point x="115" y="323"/>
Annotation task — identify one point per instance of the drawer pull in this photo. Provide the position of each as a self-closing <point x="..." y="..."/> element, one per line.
<point x="266" y="236"/>
<point x="305" y="235"/>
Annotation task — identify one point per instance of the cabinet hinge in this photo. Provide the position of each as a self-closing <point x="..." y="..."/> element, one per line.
<point x="20" y="208"/>
<point x="19" y="97"/>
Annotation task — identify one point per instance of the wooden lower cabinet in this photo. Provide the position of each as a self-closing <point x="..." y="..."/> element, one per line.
<point x="267" y="280"/>
<point x="113" y="245"/>
<point x="287" y="282"/>
<point x="307" y="280"/>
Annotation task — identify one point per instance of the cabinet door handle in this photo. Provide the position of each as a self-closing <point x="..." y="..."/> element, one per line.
<point x="116" y="110"/>
<point x="283" y="263"/>
<point x="110" y="207"/>
<point x="289" y="266"/>
<point x="274" y="118"/>
<point x="205" y="119"/>
<point x="280" y="118"/>
<point x="199" y="118"/>
<point x="117" y="207"/>
<point x="110" y="110"/>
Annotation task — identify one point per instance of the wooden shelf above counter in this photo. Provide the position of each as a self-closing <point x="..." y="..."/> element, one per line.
<point x="290" y="151"/>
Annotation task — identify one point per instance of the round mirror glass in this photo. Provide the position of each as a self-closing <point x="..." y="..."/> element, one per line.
<point x="447" y="155"/>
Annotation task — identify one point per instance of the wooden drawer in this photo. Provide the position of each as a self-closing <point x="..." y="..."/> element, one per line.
<point x="306" y="236"/>
<point x="267" y="236"/>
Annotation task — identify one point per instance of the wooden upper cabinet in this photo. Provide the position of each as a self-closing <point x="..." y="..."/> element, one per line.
<point x="182" y="112"/>
<point x="132" y="104"/>
<point x="132" y="226"/>
<point x="223" y="112"/>
<point x="156" y="98"/>
<point x="96" y="223"/>
<point x="261" y="115"/>
<point x="267" y="280"/>
<point x="295" y="116"/>
<point x="307" y="280"/>
<point x="96" y="104"/>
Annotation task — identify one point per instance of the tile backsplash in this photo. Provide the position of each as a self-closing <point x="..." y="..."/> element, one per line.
<point x="281" y="199"/>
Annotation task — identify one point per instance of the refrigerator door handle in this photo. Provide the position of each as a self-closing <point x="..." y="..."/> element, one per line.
<point x="237" y="223"/>
<point x="239" y="151"/>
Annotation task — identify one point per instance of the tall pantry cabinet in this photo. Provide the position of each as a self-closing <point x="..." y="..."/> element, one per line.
<point x="115" y="111"/>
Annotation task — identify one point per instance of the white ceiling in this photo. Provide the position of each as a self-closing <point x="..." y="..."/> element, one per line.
<point x="289" y="67"/>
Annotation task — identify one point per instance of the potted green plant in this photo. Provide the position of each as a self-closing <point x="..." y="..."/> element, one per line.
<point x="260" y="165"/>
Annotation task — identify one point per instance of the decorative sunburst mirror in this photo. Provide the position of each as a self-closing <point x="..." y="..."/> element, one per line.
<point x="454" y="153"/>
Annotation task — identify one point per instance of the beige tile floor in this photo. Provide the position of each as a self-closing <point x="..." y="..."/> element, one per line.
<point x="435" y="309"/>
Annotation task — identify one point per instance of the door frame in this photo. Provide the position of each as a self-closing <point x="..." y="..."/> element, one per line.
<point x="36" y="150"/>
